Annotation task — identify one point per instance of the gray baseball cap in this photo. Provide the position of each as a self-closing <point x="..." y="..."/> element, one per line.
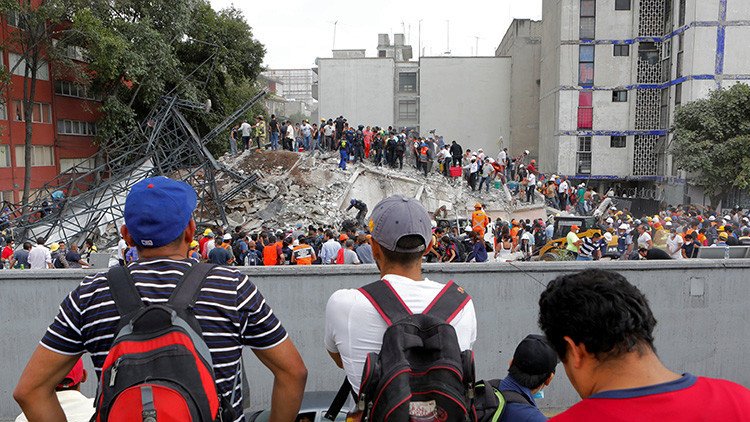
<point x="398" y="216"/>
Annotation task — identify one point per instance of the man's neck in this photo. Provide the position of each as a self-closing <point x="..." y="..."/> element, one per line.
<point x="633" y="370"/>
<point x="413" y="272"/>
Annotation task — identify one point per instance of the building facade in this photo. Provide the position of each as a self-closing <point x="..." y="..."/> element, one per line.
<point x="296" y="87"/>
<point x="612" y="74"/>
<point x="466" y="99"/>
<point x="63" y="121"/>
<point x="523" y="44"/>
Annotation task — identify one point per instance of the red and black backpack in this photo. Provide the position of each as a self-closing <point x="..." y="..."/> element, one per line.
<point x="420" y="359"/>
<point x="159" y="368"/>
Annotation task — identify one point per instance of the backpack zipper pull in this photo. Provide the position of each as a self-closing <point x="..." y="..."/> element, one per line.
<point x="114" y="373"/>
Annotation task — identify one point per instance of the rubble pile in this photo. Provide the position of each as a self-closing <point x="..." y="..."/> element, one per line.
<point x="309" y="188"/>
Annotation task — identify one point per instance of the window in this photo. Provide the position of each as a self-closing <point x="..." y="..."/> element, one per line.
<point x="40" y="113"/>
<point x="72" y="127"/>
<point x="14" y="19"/>
<point x="71" y="89"/>
<point x="407" y="109"/>
<point x="407" y="82"/>
<point x="7" y="196"/>
<point x="18" y="67"/>
<point x="681" y="17"/>
<point x="620" y="96"/>
<point x="586" y="65"/>
<point x="585" y="110"/>
<point x="584" y="155"/>
<point x="587" y="28"/>
<point x="381" y="53"/>
<point x="617" y="142"/>
<point x="647" y="52"/>
<point x="588" y="8"/>
<point x="84" y="164"/>
<point x="622" y="4"/>
<point x="621" y="50"/>
<point x="3" y="111"/>
<point x="4" y="156"/>
<point x="679" y="64"/>
<point x="677" y="95"/>
<point x="41" y="156"/>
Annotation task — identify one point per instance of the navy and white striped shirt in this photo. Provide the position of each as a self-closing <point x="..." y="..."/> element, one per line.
<point x="230" y="310"/>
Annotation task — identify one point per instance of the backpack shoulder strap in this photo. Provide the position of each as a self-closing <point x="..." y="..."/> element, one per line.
<point x="514" y="397"/>
<point x="386" y="301"/>
<point x="123" y="290"/>
<point x="188" y="288"/>
<point x="448" y="303"/>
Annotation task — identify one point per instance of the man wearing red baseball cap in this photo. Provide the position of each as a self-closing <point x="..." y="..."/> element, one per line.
<point x="76" y="406"/>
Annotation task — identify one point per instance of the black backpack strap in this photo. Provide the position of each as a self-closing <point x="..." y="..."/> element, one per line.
<point x="123" y="290"/>
<point x="185" y="294"/>
<point x="515" y="397"/>
<point x="345" y="391"/>
<point x="386" y="301"/>
<point x="448" y="303"/>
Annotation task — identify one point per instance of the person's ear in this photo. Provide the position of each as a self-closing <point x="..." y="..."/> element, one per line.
<point x="189" y="232"/>
<point x="126" y="235"/>
<point x="575" y="354"/>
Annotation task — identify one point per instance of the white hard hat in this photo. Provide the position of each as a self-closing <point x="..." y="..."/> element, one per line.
<point x="610" y="220"/>
<point x="623" y="226"/>
<point x="608" y="237"/>
<point x="526" y="152"/>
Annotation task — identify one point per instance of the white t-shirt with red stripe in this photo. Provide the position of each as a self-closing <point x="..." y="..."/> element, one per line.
<point x="354" y="328"/>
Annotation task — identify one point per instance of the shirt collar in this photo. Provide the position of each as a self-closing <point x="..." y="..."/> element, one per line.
<point x="399" y="278"/>
<point x="509" y="383"/>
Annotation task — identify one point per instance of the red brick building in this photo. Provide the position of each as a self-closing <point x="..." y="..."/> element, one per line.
<point x="64" y="125"/>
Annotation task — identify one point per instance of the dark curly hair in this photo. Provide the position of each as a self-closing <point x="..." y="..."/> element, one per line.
<point x="600" y="309"/>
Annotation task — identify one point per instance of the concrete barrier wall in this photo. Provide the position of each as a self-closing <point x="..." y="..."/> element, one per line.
<point x="703" y="309"/>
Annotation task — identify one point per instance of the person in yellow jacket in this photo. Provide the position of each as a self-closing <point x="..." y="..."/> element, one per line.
<point x="479" y="219"/>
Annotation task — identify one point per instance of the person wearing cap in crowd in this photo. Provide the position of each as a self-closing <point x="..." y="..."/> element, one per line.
<point x="158" y="220"/>
<point x="193" y="252"/>
<point x="222" y="254"/>
<point x="674" y="241"/>
<point x="401" y="233"/>
<point x="589" y="249"/>
<point x="203" y="240"/>
<point x="75" y="406"/>
<point x="573" y="242"/>
<point x="744" y="239"/>
<point x="602" y="328"/>
<point x="712" y="231"/>
<point x="364" y="249"/>
<point x="479" y="220"/>
<point x="531" y="370"/>
<point x="690" y="247"/>
<point x="624" y="242"/>
<point x="722" y="239"/>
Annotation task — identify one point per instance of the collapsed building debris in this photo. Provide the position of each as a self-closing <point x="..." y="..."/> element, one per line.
<point x="308" y="188"/>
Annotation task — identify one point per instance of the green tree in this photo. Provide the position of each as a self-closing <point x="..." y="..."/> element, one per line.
<point x="712" y="141"/>
<point x="142" y="50"/>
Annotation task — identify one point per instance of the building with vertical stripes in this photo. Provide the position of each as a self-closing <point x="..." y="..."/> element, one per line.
<point x="612" y="74"/>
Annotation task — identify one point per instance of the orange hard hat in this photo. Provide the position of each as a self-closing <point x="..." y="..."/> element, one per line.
<point x="343" y="238"/>
<point x="574" y="227"/>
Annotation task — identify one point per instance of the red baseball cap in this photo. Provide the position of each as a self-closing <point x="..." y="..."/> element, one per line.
<point x="74" y="377"/>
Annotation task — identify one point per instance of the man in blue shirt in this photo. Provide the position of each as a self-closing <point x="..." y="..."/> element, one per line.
<point x="532" y="369"/>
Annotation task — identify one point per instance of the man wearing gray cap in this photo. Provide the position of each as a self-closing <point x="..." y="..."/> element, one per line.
<point x="401" y="235"/>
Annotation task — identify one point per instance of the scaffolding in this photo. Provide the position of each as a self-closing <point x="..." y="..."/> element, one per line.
<point x="163" y="144"/>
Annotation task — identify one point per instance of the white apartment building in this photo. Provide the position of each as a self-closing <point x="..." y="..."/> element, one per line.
<point x="612" y="74"/>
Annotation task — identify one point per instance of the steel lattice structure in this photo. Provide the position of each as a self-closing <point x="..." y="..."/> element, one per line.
<point x="164" y="144"/>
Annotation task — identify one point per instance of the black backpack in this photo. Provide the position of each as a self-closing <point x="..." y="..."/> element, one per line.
<point x="159" y="366"/>
<point x="489" y="402"/>
<point x="420" y="359"/>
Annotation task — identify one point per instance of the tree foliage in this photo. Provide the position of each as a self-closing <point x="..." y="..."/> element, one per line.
<point x="142" y="50"/>
<point x="712" y="140"/>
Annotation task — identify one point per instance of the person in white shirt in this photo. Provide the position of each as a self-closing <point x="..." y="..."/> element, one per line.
<point x="562" y="193"/>
<point x="674" y="242"/>
<point x="644" y="238"/>
<point x="40" y="257"/>
<point x="530" y="188"/>
<point x="76" y="406"/>
<point x="289" y="136"/>
<point x="122" y="247"/>
<point x="353" y="326"/>
<point x="246" y="129"/>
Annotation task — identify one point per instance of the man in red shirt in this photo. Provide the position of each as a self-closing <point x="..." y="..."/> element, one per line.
<point x="602" y="328"/>
<point x="7" y="253"/>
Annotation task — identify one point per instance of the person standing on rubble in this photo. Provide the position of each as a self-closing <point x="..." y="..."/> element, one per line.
<point x="456" y="152"/>
<point x="260" y="132"/>
<point x="328" y="132"/>
<point x="343" y="153"/>
<point x="399" y="150"/>
<point x="289" y="136"/>
<point x="307" y="132"/>
<point x="245" y="128"/>
<point x="233" y="134"/>
<point x="274" y="126"/>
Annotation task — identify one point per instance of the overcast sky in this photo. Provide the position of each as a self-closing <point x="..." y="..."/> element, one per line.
<point x="295" y="32"/>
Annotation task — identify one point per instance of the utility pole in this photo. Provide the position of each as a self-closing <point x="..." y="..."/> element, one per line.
<point x="448" y="36"/>
<point x="476" y="48"/>
<point x="334" y="35"/>
<point x="420" y="52"/>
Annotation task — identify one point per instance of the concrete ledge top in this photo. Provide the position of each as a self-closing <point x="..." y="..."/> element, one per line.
<point x="463" y="268"/>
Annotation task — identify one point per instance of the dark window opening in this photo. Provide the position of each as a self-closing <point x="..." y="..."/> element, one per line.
<point x="619" y="96"/>
<point x="622" y="50"/>
<point x="617" y="142"/>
